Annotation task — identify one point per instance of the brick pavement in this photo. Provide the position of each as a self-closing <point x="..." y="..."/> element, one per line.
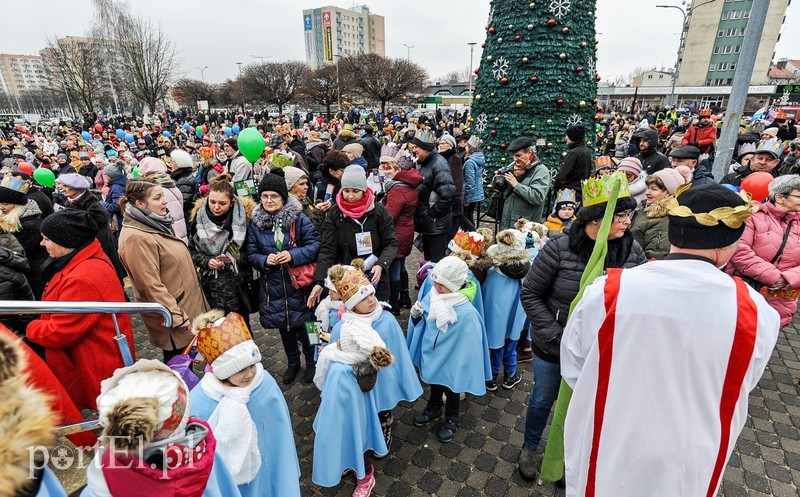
<point x="481" y="460"/>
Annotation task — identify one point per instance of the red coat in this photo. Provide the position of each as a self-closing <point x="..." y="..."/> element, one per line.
<point x="80" y="348"/>
<point x="704" y="137"/>
<point x="401" y="202"/>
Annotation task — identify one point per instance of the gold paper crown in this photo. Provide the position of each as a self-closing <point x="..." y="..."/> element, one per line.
<point x="215" y="340"/>
<point x="14" y="183"/>
<point x="425" y="136"/>
<point x="732" y="217"/>
<point x="471" y="243"/>
<point x="602" y="161"/>
<point x="598" y="190"/>
<point x="565" y="195"/>
<point x="352" y="281"/>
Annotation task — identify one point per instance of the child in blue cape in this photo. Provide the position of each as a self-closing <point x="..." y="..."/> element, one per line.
<point x="447" y="341"/>
<point x="328" y="309"/>
<point x="347" y="426"/>
<point x="245" y="409"/>
<point x="397" y="382"/>
<point x="503" y="313"/>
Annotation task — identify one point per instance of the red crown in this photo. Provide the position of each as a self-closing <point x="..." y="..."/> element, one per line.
<point x="471" y="243"/>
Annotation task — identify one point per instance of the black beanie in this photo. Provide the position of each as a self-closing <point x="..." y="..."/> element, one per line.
<point x="576" y="132"/>
<point x="686" y="232"/>
<point x="274" y="181"/>
<point x="71" y="228"/>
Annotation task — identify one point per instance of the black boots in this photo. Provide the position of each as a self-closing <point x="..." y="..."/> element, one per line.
<point x="394" y="297"/>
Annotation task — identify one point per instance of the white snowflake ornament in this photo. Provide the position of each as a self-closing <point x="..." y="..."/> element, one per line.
<point x="481" y="122"/>
<point x="574" y="119"/>
<point x="500" y="68"/>
<point x="591" y="67"/>
<point x="560" y="8"/>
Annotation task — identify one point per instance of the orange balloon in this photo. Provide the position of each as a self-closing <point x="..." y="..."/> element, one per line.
<point x="98" y="127"/>
<point x="757" y="185"/>
<point x="26" y="168"/>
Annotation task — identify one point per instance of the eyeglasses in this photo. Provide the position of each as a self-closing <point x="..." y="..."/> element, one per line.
<point x="623" y="216"/>
<point x="790" y="195"/>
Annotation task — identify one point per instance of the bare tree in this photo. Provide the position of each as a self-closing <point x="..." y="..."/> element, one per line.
<point x="229" y="93"/>
<point x="273" y="82"/>
<point x="141" y="48"/>
<point x="382" y="79"/>
<point x="75" y="65"/>
<point x="459" y="76"/>
<point x="188" y="91"/>
<point x="323" y="87"/>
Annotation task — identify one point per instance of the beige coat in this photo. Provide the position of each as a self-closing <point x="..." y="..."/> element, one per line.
<point x="162" y="271"/>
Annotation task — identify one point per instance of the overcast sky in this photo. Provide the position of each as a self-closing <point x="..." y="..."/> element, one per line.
<point x="218" y="33"/>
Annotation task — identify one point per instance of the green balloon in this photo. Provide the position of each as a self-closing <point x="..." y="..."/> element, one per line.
<point x="136" y="173"/>
<point x="251" y="144"/>
<point x="44" y="177"/>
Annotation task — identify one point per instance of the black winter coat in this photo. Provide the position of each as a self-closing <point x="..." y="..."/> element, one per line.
<point x="280" y="305"/>
<point x="339" y="242"/>
<point x="735" y="178"/>
<point x="89" y="171"/>
<point x="372" y="151"/>
<point x="577" y="167"/>
<point x="43" y="200"/>
<point x="436" y="193"/>
<point x="652" y="160"/>
<point x="14" y="286"/>
<point x="186" y="183"/>
<point x="554" y="281"/>
<point x="102" y="219"/>
<point x="456" y="164"/>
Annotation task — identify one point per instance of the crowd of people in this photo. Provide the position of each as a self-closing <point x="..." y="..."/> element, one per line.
<point x="313" y="234"/>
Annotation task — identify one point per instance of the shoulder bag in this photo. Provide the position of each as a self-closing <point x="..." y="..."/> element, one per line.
<point x="300" y="276"/>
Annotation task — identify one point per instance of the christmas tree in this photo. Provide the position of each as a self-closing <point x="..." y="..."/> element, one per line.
<point x="537" y="77"/>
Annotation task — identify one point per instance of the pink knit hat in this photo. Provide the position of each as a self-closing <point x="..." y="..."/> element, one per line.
<point x="671" y="178"/>
<point x="630" y="165"/>
<point x="152" y="165"/>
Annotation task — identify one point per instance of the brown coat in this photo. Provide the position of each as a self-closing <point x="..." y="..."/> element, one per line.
<point x="162" y="271"/>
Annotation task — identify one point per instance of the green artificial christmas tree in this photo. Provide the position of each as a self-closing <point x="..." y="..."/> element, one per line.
<point x="537" y="77"/>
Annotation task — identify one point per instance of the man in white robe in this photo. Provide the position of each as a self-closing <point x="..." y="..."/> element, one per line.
<point x="662" y="358"/>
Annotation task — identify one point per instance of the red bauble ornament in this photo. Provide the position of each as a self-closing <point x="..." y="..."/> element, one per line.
<point x="594" y="101"/>
<point x="483" y="45"/>
<point x="502" y="145"/>
<point x="578" y="69"/>
<point x="504" y="81"/>
<point x="597" y="78"/>
<point x="551" y="22"/>
<point x="599" y="109"/>
<point x="518" y="37"/>
<point x="491" y="30"/>
<point x="494" y="132"/>
<point x="560" y="101"/>
<point x="477" y="69"/>
<point x="534" y="79"/>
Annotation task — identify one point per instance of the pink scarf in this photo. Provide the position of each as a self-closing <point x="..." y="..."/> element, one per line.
<point x="355" y="210"/>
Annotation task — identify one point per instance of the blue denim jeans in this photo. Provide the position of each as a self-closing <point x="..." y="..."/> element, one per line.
<point x="507" y="356"/>
<point x="546" y="382"/>
<point x="395" y="268"/>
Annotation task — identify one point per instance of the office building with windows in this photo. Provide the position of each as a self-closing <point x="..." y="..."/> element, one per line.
<point x="21" y="73"/>
<point x="332" y="32"/>
<point x="712" y="41"/>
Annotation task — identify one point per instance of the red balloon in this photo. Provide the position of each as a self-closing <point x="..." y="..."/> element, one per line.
<point x="98" y="127"/>
<point x="757" y="185"/>
<point x="26" y="168"/>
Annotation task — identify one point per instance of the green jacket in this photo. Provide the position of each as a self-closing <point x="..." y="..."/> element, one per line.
<point x="527" y="198"/>
<point x="650" y="228"/>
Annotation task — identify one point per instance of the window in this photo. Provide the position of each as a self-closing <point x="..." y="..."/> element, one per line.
<point x="733" y="66"/>
<point x="712" y="68"/>
<point x="741" y="31"/>
<point x="720" y="33"/>
<point x="723" y="66"/>
<point x="717" y="49"/>
<point x="732" y="32"/>
<point x="725" y="15"/>
<point x="737" y="49"/>
<point x="736" y="14"/>
<point x="727" y="49"/>
<point x="649" y="76"/>
<point x="746" y="14"/>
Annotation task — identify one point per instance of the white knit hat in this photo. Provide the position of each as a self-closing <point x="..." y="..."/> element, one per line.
<point x="359" y="338"/>
<point x="451" y="272"/>
<point x="147" y="379"/>
<point x="292" y="175"/>
<point x="182" y="159"/>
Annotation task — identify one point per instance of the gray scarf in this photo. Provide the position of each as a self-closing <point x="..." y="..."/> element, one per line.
<point x="212" y="238"/>
<point x="162" y="224"/>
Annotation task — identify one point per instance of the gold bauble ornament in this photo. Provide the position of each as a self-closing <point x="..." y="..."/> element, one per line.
<point x="563" y="154"/>
<point x="582" y="104"/>
<point x="560" y="82"/>
<point x="478" y="96"/>
<point x="565" y="30"/>
<point x="519" y="103"/>
<point x="472" y="119"/>
<point x="549" y="144"/>
<point x="489" y="148"/>
<point x="532" y="5"/>
<point x="488" y="58"/>
<point x="533" y="126"/>
<point x="524" y="60"/>
<point x="491" y="94"/>
<point x="503" y="160"/>
<point x="562" y="56"/>
<point x="496" y="119"/>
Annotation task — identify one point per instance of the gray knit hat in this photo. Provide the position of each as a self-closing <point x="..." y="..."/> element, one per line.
<point x="354" y="177"/>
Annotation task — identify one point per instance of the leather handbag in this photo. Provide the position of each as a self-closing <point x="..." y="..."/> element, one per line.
<point x="301" y="276"/>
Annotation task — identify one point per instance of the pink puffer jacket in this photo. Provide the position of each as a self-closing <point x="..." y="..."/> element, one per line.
<point x="763" y="234"/>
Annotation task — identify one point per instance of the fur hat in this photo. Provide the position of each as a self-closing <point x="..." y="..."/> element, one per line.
<point x="451" y="272"/>
<point x="225" y="342"/>
<point x="142" y="403"/>
<point x="352" y="285"/>
<point x="508" y="242"/>
<point x="535" y="233"/>
<point x="181" y="159"/>
<point x="26" y="420"/>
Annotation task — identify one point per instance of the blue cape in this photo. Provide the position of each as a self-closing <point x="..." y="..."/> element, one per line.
<point x="50" y="486"/>
<point x="503" y="316"/>
<point x="457" y="359"/>
<point x="346" y="426"/>
<point x="333" y="319"/>
<point x="279" y="474"/>
<point x="399" y="381"/>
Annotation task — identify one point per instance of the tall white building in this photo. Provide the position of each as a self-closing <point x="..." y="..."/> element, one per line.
<point x="21" y="73"/>
<point x="332" y="32"/>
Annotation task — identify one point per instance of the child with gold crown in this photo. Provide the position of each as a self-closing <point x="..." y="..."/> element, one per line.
<point x="245" y="408"/>
<point x="399" y="381"/>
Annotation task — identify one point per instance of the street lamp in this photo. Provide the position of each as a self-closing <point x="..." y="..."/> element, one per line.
<point x="202" y="70"/>
<point x="409" y="47"/>
<point x="471" y="50"/>
<point x="685" y="13"/>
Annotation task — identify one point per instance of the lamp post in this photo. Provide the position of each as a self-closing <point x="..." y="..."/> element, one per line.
<point x="409" y="47"/>
<point x="202" y="70"/>
<point x="685" y="13"/>
<point x="338" y="89"/>
<point x="471" y="50"/>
